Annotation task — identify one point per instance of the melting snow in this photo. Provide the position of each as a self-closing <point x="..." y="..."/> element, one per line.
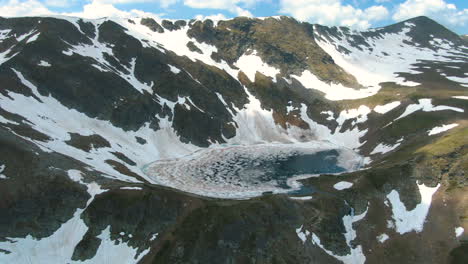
<point x="360" y="114"/>
<point x="367" y="64"/>
<point x="33" y="38"/>
<point x="6" y="56"/>
<point x="382" y="238"/>
<point x="175" y="41"/>
<point x="343" y="185"/>
<point x="329" y="113"/>
<point x="52" y="118"/>
<point x="2" y="168"/>
<point x="252" y="63"/>
<point x="461" y="97"/>
<point x="462" y="80"/>
<point x="407" y="221"/>
<point x="302" y="198"/>
<point x="427" y="106"/>
<point x="44" y="64"/>
<point x="459" y="231"/>
<point x="174" y="69"/>
<point x="93" y="188"/>
<point x="440" y="129"/>
<point x="131" y="188"/>
<point x="332" y="91"/>
<point x="302" y="234"/>
<point x="383" y="148"/>
<point x="382" y="109"/>
<point x="356" y="256"/>
<point x="59" y="247"/>
<point x="349" y="138"/>
<point x="110" y="251"/>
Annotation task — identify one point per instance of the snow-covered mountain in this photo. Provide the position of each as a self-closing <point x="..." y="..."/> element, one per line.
<point x="114" y="134"/>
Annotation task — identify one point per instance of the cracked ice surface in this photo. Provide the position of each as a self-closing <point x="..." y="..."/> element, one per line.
<point x="242" y="172"/>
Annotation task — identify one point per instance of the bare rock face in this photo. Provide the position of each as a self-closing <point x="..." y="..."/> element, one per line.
<point x="88" y="108"/>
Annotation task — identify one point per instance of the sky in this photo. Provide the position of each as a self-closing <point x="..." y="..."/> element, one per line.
<point x="358" y="14"/>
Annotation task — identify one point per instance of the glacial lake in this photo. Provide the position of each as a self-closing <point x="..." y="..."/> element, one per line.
<point x="242" y="172"/>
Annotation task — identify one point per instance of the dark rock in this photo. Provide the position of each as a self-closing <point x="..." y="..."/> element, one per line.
<point x="152" y="24"/>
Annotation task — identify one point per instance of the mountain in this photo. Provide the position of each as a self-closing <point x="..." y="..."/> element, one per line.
<point x="141" y="140"/>
<point x="465" y="37"/>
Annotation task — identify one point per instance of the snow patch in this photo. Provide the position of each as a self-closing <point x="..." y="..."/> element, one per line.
<point x="33" y="38"/>
<point x="440" y="129"/>
<point x="426" y="105"/>
<point x="110" y="251"/>
<point x="383" y="148"/>
<point x="406" y="221"/>
<point x="174" y="69"/>
<point x="360" y="114"/>
<point x="356" y="256"/>
<point x="330" y="115"/>
<point x="252" y="63"/>
<point x="348" y="139"/>
<point x="93" y="188"/>
<point x="57" y="248"/>
<point x="302" y="234"/>
<point x="461" y="97"/>
<point x="302" y="198"/>
<point x="382" y="238"/>
<point x="44" y="64"/>
<point x="343" y="185"/>
<point x="131" y="188"/>
<point x="332" y="91"/>
<point x="2" y="168"/>
<point x="383" y="109"/>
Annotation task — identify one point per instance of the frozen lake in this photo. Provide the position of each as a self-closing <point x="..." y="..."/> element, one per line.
<point x="242" y="172"/>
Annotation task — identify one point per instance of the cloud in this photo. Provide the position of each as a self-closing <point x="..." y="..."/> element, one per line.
<point x="232" y="6"/>
<point x="333" y="12"/>
<point x="212" y="17"/>
<point x="163" y="3"/>
<point x="99" y="9"/>
<point x="14" y="8"/>
<point x="438" y="9"/>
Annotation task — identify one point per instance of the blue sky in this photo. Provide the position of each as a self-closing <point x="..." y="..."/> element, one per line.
<point x="354" y="13"/>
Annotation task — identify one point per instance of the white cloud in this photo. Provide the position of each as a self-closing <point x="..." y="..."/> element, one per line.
<point x="216" y="17"/>
<point x="232" y="6"/>
<point x="98" y="9"/>
<point x="333" y="12"/>
<point x="94" y="9"/>
<point x="14" y="8"/>
<point x="163" y="3"/>
<point x="438" y="9"/>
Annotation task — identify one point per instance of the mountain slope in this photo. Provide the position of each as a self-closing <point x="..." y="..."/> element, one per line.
<point x="88" y="107"/>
